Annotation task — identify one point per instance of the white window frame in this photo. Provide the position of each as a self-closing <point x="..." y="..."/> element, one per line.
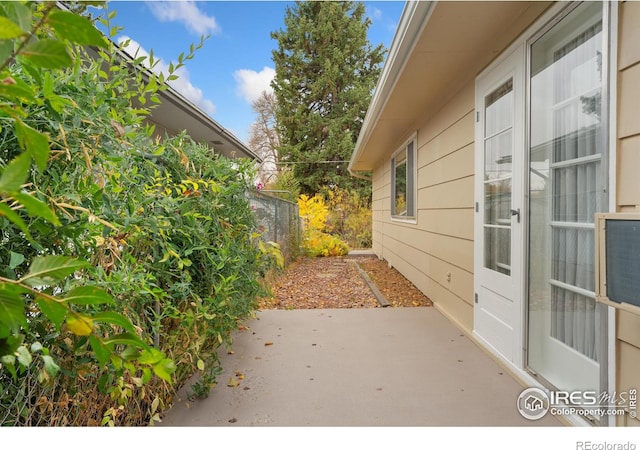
<point x="410" y="150"/>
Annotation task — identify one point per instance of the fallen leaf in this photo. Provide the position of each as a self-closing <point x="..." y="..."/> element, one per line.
<point x="268" y="343"/>
<point x="239" y="375"/>
<point x="233" y="382"/>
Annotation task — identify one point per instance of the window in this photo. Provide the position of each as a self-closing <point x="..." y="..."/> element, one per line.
<point x="403" y="185"/>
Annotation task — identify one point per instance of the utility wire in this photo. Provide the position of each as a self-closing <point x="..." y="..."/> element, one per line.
<point x="310" y="162"/>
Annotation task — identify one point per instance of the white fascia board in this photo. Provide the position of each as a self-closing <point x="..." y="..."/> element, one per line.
<point x="413" y="20"/>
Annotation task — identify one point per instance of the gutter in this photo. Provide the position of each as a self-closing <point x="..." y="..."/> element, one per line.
<point x="413" y="20"/>
<point x="180" y="101"/>
<point x="358" y="175"/>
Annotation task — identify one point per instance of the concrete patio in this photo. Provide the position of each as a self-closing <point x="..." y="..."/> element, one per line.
<point x="355" y="367"/>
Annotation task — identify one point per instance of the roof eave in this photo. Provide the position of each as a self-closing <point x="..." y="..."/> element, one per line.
<point x="414" y="18"/>
<point x="179" y="101"/>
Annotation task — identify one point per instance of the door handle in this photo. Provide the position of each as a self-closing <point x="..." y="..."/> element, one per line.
<point x="516" y="212"/>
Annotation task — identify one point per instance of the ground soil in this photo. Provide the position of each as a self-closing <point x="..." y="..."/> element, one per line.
<point x="336" y="282"/>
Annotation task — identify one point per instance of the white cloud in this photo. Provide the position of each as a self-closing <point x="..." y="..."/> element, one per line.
<point x="376" y="14"/>
<point x="252" y="83"/>
<point x="182" y="84"/>
<point x="187" y="13"/>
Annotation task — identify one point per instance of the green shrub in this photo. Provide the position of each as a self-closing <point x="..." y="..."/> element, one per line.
<point x="126" y="261"/>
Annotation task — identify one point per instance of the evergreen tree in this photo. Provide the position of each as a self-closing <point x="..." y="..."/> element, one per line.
<point x="326" y="70"/>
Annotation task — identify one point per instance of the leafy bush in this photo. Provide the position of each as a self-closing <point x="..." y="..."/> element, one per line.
<point x="315" y="241"/>
<point x="286" y="181"/>
<point x="349" y="217"/>
<point x="126" y="260"/>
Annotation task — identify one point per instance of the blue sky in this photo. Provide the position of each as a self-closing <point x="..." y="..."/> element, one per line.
<point x="235" y="64"/>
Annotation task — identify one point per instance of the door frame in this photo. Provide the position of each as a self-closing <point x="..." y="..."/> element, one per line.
<point x="610" y="29"/>
<point x="510" y="64"/>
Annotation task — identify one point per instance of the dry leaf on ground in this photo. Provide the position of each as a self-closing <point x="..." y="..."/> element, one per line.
<point x="335" y="282"/>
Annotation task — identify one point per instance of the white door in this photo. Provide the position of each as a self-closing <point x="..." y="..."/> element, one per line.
<point x="499" y="213"/>
<point x="565" y="191"/>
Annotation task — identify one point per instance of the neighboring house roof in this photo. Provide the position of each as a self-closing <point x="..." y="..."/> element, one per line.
<point x="175" y="113"/>
<point x="437" y="49"/>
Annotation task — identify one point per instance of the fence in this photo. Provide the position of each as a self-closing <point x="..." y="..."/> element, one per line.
<point x="278" y="221"/>
<point x="62" y="401"/>
<point x="74" y="401"/>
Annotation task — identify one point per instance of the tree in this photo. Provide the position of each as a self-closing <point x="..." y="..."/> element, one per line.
<point x="326" y="70"/>
<point x="264" y="139"/>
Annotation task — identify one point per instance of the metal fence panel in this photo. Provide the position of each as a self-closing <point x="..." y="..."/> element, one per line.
<point x="278" y="221"/>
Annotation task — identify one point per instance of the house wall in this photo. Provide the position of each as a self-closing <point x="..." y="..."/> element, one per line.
<point x="436" y="253"/>
<point x="628" y="190"/>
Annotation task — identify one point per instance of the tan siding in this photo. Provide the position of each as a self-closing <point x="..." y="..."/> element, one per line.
<point x="380" y="205"/>
<point x="628" y="123"/>
<point x="627" y="421"/>
<point x="456" y="165"/>
<point x="377" y="216"/>
<point x="454" y="279"/>
<point x="628" y="348"/>
<point x="453" y="194"/>
<point x="377" y="177"/>
<point x="629" y="25"/>
<point x="449" y="222"/>
<point x="455" y="137"/>
<point x="457" y="108"/>
<point x="436" y="252"/>
<point x="628" y="370"/>
<point x="628" y="191"/>
<point x="629" y="328"/>
<point x="628" y="170"/>
<point x="457" y="309"/>
<point x="458" y="252"/>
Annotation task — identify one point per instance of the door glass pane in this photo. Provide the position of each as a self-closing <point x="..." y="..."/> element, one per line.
<point x="498" y="153"/>
<point x="565" y="187"/>
<point x="497" y="255"/>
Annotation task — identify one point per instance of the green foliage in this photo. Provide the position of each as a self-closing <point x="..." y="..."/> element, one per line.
<point x="286" y="181"/>
<point x="43" y="290"/>
<point x="326" y="71"/>
<point x="124" y="261"/>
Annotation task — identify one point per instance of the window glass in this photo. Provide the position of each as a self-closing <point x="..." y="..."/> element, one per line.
<point x="566" y="180"/>
<point x="403" y="182"/>
<point x="400" y="185"/>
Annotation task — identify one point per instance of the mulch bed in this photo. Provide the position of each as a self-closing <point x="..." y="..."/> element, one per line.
<point x="335" y="282"/>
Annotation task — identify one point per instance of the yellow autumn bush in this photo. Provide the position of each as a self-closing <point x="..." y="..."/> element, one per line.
<point x="314" y="213"/>
<point x="349" y="217"/>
